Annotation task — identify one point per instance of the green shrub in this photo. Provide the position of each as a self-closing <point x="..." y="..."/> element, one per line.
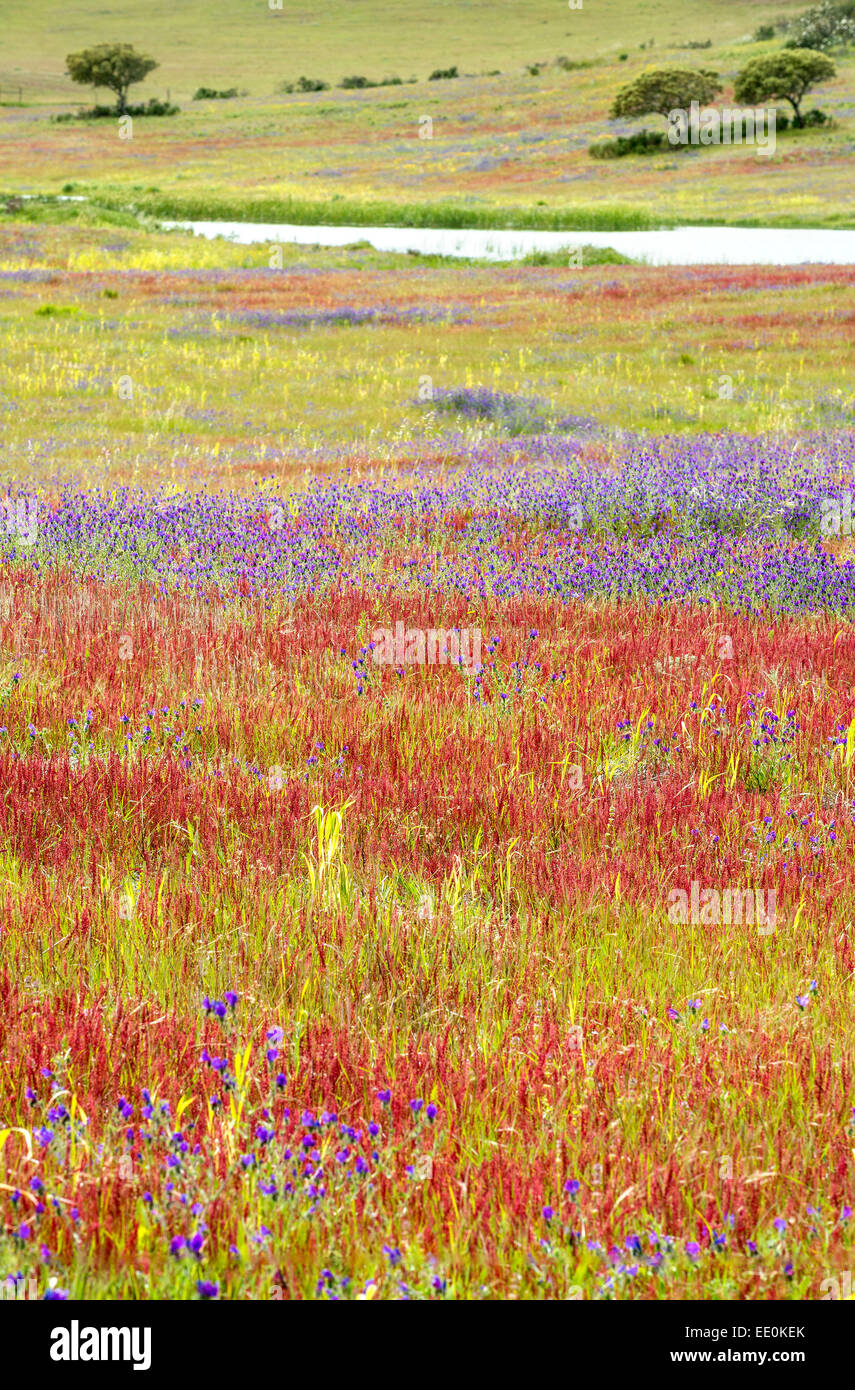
<point x="153" y="107"/>
<point x="764" y="32"/>
<point x="811" y="118"/>
<point x="359" y="83"/>
<point x="591" y="255"/>
<point x="57" y="311"/>
<point x="303" y="84"/>
<point x="642" y="142"/>
<point x="211" y="94"/>
<point x="442" y="74"/>
<point x="825" y="26"/>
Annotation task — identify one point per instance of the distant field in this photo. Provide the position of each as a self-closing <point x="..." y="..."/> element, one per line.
<point x="503" y="139"/>
<point x="221" y="42"/>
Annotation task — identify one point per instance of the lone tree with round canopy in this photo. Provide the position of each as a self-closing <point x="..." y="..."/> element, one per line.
<point x="113" y="65"/>
<point x="663" y="90"/>
<point x="783" y="77"/>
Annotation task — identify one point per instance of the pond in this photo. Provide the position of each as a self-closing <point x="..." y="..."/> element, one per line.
<point x="676" y="246"/>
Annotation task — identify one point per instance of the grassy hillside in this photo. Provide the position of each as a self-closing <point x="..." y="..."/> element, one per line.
<point x="508" y="140"/>
<point x="221" y="42"/>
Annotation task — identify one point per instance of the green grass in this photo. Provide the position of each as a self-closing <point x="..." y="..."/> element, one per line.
<point x="343" y="212"/>
<point x="140" y="209"/>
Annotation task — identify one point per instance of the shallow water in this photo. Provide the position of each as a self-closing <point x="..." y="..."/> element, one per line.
<point x="676" y="246"/>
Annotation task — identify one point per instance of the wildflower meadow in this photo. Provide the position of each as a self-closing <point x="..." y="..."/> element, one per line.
<point x="427" y="753"/>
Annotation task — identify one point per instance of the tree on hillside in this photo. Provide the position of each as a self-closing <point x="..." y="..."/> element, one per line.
<point x="783" y="77"/>
<point x="825" y="26"/>
<point x="113" y="65"/>
<point x="663" y="90"/>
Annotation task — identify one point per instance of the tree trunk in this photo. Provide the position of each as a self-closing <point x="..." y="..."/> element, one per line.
<point x="797" y="121"/>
